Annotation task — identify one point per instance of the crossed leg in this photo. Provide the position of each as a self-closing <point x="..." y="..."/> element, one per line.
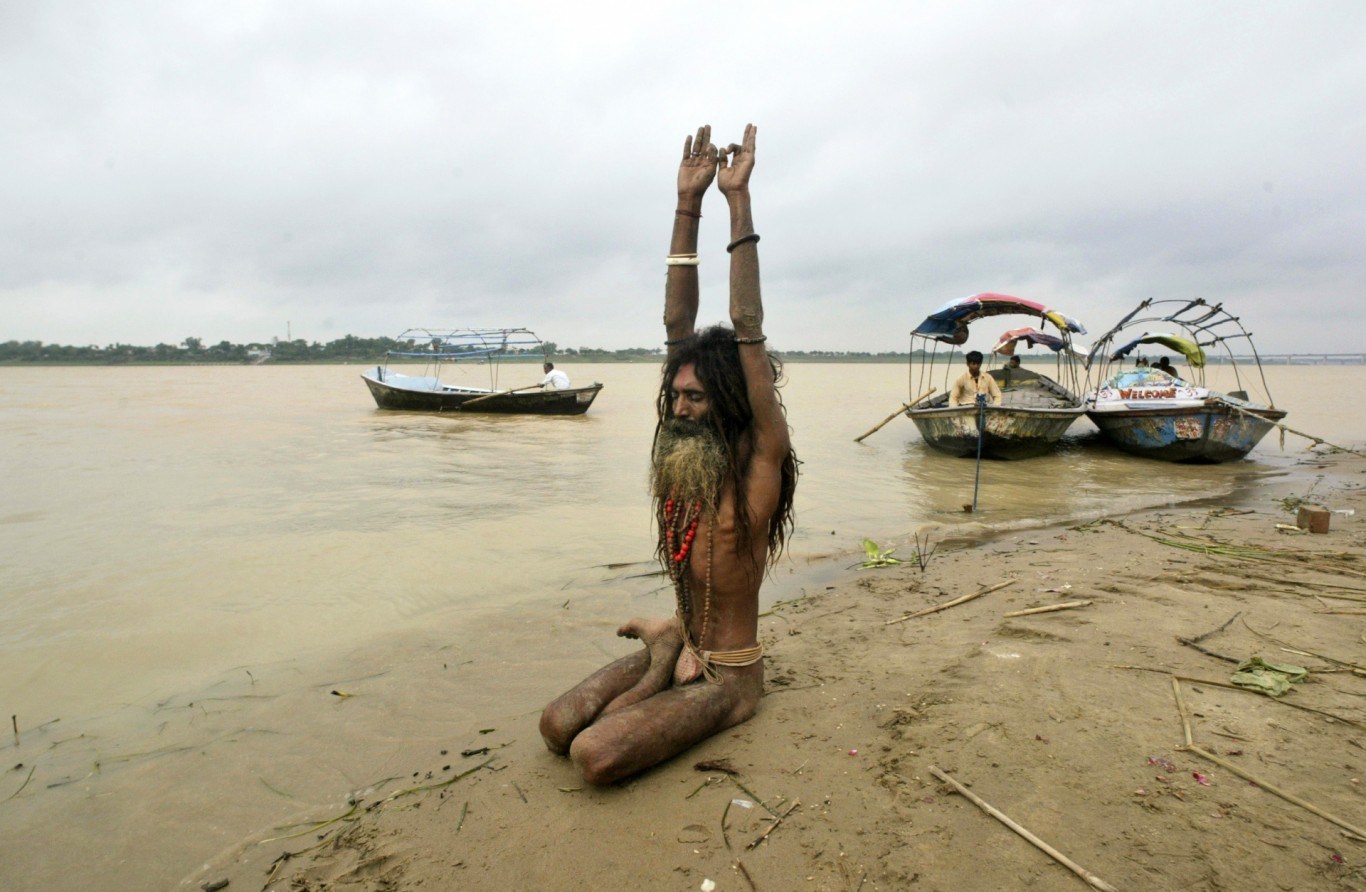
<point x="664" y="643"/>
<point x="625" y="717"/>
<point x="659" y="727"/>
<point x="617" y="685"/>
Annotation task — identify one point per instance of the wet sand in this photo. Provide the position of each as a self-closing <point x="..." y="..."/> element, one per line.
<point x="1067" y="722"/>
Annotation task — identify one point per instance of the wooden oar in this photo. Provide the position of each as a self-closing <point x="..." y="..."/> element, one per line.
<point x="1289" y="430"/>
<point x="904" y="407"/>
<point x="489" y="396"/>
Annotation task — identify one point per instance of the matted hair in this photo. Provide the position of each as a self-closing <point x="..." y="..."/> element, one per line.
<point x="715" y="358"/>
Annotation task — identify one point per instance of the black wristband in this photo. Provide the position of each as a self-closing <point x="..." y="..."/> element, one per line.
<point x="751" y="237"/>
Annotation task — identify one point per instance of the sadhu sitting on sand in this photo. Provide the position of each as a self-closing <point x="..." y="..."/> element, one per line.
<point x="723" y="475"/>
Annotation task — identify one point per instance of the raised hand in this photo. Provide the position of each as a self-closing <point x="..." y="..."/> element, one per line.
<point x="698" y="167"/>
<point x="736" y="164"/>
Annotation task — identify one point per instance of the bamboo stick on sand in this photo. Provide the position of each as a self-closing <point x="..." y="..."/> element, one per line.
<point x="954" y="603"/>
<point x="1288" y="797"/>
<point x="1051" y="608"/>
<point x="1090" y="878"/>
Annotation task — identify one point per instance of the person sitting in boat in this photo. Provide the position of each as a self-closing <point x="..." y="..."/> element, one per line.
<point x="1164" y="364"/>
<point x="1009" y="373"/>
<point x="554" y="378"/>
<point x="723" y="474"/>
<point x="973" y="383"/>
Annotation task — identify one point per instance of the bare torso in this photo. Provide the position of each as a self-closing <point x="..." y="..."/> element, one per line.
<point x="651" y="705"/>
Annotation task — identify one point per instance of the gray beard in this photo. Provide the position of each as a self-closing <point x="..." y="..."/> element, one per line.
<point x="690" y="463"/>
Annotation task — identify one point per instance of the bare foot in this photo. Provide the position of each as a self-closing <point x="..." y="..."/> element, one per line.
<point x="648" y="630"/>
<point x="662" y="638"/>
<point x="663" y="642"/>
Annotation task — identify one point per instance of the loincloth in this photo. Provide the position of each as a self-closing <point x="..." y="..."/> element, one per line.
<point x="745" y="656"/>
<point x="694" y="662"/>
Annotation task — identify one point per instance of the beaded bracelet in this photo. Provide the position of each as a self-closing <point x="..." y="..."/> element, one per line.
<point x="681" y="260"/>
<point x="759" y="339"/>
<point x="751" y="237"/>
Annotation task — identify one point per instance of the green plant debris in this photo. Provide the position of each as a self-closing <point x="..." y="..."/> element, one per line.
<point x="313" y="827"/>
<point x="876" y="557"/>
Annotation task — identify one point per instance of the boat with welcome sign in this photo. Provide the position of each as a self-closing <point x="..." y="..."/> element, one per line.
<point x="1170" y="415"/>
<point x="1035" y="409"/>
<point x="488" y="347"/>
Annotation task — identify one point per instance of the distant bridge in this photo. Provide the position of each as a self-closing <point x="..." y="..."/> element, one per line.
<point x="1310" y="358"/>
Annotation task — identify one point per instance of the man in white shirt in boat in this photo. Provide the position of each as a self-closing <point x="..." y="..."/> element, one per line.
<point x="723" y="474"/>
<point x="973" y="383"/>
<point x="554" y="378"/>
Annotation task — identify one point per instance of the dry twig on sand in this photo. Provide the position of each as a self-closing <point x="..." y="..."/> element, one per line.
<point x="954" y="603"/>
<point x="748" y="879"/>
<point x="776" y="821"/>
<point x="1233" y="687"/>
<point x="1195" y="642"/>
<point x="1299" y="651"/>
<point x="1051" y="608"/>
<point x="31" y="769"/>
<point x="1245" y="775"/>
<point x="1090" y="878"/>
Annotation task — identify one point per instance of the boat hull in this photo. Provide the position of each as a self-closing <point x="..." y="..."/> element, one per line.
<point x="1207" y="434"/>
<point x="1009" y="433"/>
<point x="428" y="395"/>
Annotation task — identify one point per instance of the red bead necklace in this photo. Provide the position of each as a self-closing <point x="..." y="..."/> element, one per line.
<point x="679" y="556"/>
<point x="678" y="535"/>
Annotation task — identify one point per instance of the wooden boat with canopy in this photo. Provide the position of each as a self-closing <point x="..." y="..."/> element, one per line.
<point x="1175" y="416"/>
<point x="1036" y="409"/>
<point x="488" y="347"/>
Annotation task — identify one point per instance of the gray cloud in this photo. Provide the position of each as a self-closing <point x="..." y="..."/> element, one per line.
<point x="190" y="169"/>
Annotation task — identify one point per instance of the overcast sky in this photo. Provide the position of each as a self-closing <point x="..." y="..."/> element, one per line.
<point x="236" y="171"/>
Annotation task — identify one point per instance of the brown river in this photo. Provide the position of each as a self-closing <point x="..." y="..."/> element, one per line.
<point x="193" y="558"/>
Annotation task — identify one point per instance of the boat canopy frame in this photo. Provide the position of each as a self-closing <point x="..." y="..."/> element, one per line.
<point x="487" y="346"/>
<point x="949" y="325"/>
<point x="1204" y="327"/>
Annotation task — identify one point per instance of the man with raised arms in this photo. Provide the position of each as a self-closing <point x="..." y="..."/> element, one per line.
<point x="723" y="474"/>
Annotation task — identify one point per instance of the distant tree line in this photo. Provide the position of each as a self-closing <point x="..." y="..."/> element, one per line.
<point x="194" y="350"/>
<point x="343" y="350"/>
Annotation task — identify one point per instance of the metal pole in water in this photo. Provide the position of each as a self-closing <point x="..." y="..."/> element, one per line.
<point x="981" y="426"/>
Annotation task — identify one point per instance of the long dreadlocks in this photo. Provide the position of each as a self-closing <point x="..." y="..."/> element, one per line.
<point x="715" y="357"/>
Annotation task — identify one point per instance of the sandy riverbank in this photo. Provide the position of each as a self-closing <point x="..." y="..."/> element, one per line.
<point x="1066" y="722"/>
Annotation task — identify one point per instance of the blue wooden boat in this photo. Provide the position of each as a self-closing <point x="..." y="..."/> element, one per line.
<point x="393" y="389"/>
<point x="1170" y="415"/>
<point x="1035" y="410"/>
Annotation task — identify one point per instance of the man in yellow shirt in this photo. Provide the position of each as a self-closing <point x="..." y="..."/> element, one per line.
<point x="972" y="383"/>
